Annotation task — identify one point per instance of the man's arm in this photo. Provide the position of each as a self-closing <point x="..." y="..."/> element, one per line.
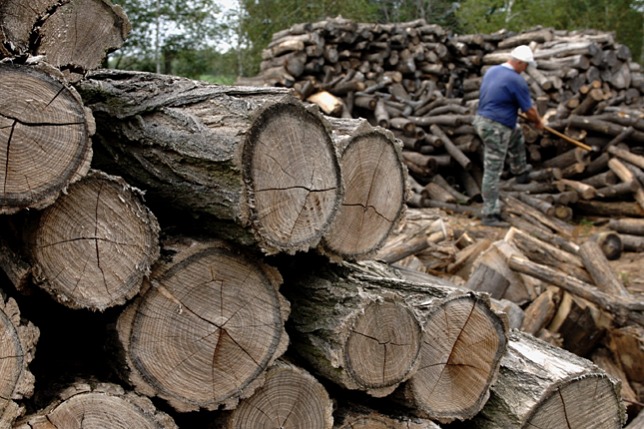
<point x="533" y="116"/>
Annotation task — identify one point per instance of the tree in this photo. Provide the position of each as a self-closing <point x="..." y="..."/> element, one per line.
<point x="161" y="29"/>
<point x="623" y="17"/>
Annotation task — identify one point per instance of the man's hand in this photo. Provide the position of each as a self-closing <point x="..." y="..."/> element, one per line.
<point x="533" y="116"/>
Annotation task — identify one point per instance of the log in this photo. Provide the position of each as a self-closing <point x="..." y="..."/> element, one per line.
<point x="46" y="137"/>
<point x="355" y="416"/>
<point x="206" y="327"/>
<point x="369" y="325"/>
<point x="92" y="405"/>
<point x="623" y="310"/>
<point x="600" y="270"/>
<point x="93" y="246"/>
<point x="290" y="397"/>
<point x="264" y="172"/>
<point x="627" y="225"/>
<point x="375" y="190"/>
<point x="544" y="386"/>
<point x="19" y="347"/>
<point x="75" y="36"/>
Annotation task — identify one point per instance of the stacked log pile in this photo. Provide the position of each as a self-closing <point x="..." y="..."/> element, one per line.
<point x="222" y="257"/>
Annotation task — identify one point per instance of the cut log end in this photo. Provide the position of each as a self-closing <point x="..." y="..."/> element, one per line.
<point x="103" y="236"/>
<point x="383" y="347"/>
<point x="290" y="397"/>
<point x="205" y="332"/>
<point x="45" y="138"/>
<point x="292" y="176"/>
<point x="373" y="202"/>
<point x="463" y="343"/>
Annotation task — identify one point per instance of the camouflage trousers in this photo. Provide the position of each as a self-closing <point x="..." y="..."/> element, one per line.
<point x="500" y="142"/>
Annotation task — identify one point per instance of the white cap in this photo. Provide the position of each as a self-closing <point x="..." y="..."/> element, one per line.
<point x="523" y="53"/>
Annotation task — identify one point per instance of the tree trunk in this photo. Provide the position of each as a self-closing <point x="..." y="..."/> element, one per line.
<point x="206" y="328"/>
<point x="375" y="190"/>
<point x="289" y="398"/>
<point x="45" y="133"/>
<point x="91" y="405"/>
<point x="544" y="386"/>
<point x="93" y="246"/>
<point x="241" y="161"/>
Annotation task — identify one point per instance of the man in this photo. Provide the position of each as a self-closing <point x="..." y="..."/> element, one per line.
<point x="503" y="93"/>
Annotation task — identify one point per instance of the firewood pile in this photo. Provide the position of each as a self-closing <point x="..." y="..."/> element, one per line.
<point x="180" y="254"/>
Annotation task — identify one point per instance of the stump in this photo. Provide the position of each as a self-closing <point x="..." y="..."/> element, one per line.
<point x="208" y="324"/>
<point x="93" y="246"/>
<point x="45" y="133"/>
<point x="251" y="165"/>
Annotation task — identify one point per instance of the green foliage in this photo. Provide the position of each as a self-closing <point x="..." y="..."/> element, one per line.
<point x="623" y="17"/>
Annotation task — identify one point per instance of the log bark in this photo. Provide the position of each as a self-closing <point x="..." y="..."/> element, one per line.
<point x="93" y="246"/>
<point x="45" y="133"/>
<point x="600" y="270"/>
<point x="92" y="405"/>
<point x="375" y="190"/>
<point x="239" y="160"/>
<point x="19" y="347"/>
<point x="290" y="397"/>
<point x="353" y="416"/>
<point x="205" y="329"/>
<point x="369" y="325"/>
<point x="544" y="386"/>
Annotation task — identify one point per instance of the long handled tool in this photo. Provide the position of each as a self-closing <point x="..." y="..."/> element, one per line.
<point x="563" y="136"/>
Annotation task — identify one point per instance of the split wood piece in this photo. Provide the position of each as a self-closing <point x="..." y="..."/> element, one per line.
<point x="327" y="102"/>
<point x="541" y="310"/>
<point x="513" y="205"/>
<point x="627" y="345"/>
<point x="354" y="416"/>
<point x="205" y="329"/>
<point x="91" y="405"/>
<point x="75" y="36"/>
<point x="637" y="422"/>
<point x="251" y="164"/>
<point x="624" y="310"/>
<point x="46" y="137"/>
<point x="579" y="324"/>
<point x="19" y="338"/>
<point x="353" y="332"/>
<point x="375" y="190"/>
<point x="627" y="226"/>
<point x="413" y="241"/>
<point x="600" y="270"/>
<point x="491" y="274"/>
<point x="544" y="386"/>
<point x="466" y="257"/>
<point x="289" y="398"/>
<point x="463" y="342"/>
<point x="627" y="155"/>
<point x="604" y="359"/>
<point x="544" y="234"/>
<point x="93" y="246"/>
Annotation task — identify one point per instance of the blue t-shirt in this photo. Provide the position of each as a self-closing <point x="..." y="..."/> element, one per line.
<point x="503" y="92"/>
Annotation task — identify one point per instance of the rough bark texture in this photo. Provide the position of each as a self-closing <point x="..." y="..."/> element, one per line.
<point x="544" y="386"/>
<point x="245" y="159"/>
